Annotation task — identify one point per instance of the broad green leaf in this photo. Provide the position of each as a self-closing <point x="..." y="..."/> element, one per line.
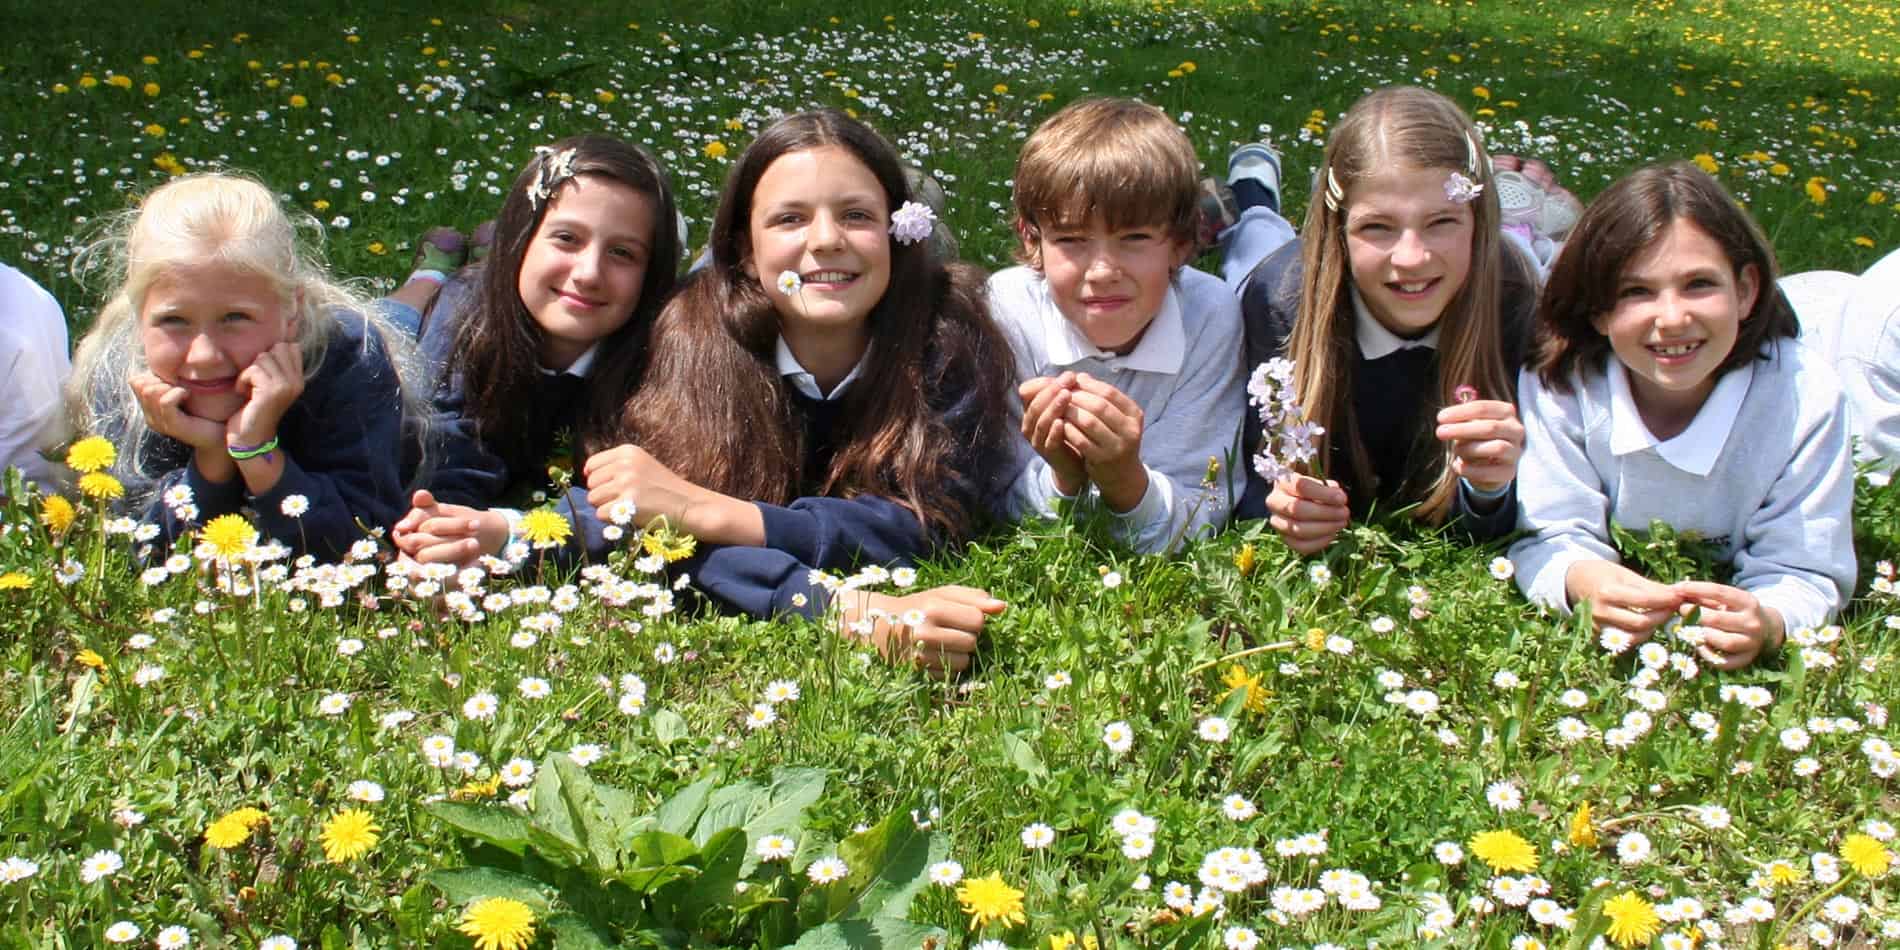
<point x="668" y="727"/>
<point x="720" y="861"/>
<point x="1022" y="754"/>
<point x="461" y="885"/>
<point x="792" y="791"/>
<point x="550" y="814"/>
<point x="573" y="932"/>
<point x="888" y="864"/>
<point x="678" y="814"/>
<point x="502" y="827"/>
<point x="586" y="812"/>
<point x="658" y="848"/>
<point x="729" y="807"/>
<point x="877" y="934"/>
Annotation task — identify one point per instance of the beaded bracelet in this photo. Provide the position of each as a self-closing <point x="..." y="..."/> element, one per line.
<point x="242" y="453"/>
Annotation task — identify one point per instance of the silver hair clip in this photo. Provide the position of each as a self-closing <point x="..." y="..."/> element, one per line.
<point x="1471" y="155"/>
<point x="1335" y="195"/>
<point x="556" y="167"/>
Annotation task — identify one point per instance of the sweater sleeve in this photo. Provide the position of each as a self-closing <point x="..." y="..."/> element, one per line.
<point x="1796" y="553"/>
<point x="1561" y="498"/>
<point x="1267" y="305"/>
<point x="463" y="470"/>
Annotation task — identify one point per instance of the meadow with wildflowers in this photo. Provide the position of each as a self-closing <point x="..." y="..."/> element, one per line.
<point x="1228" y="746"/>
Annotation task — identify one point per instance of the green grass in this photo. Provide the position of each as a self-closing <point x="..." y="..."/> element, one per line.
<point x="236" y="720"/>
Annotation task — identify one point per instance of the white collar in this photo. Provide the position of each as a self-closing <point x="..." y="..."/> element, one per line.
<point x="803" y="381"/>
<point x="1161" y="349"/>
<point x="1694" y="449"/>
<point x="582" y="367"/>
<point x="1375" y="341"/>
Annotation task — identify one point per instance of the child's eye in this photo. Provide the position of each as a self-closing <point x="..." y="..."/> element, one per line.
<point x="629" y="253"/>
<point x="859" y="214"/>
<point x="236" y="316"/>
<point x="1632" y="292"/>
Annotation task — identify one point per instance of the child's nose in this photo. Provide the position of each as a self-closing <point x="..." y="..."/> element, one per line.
<point x="586" y="266"/>
<point x="1672" y="311"/>
<point x="203" y="351"/>
<point x="1410" y="250"/>
<point x="1102" y="263"/>
<point x="824" y="232"/>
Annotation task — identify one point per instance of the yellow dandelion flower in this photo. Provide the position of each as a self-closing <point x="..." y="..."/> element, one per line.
<point x="14" y="580"/>
<point x="715" y="149"/>
<point x="476" y="791"/>
<point x="498" y="923"/>
<point x="1315" y="639"/>
<point x="1865" y="854"/>
<point x="1481" y="92"/>
<point x="1504" y="851"/>
<point x="604" y="97"/>
<point x="248" y="817"/>
<point x="154" y="130"/>
<point x="988" y="899"/>
<point x="87" y="82"/>
<point x="57" y="513"/>
<point x="1863" y="240"/>
<point x="1779" y="168"/>
<point x="101" y="486"/>
<point x="1633" y="922"/>
<point x="61" y="88"/>
<point x="1245" y="560"/>
<point x="1876" y="197"/>
<point x="298" y="101"/>
<point x="321" y="204"/>
<point x="149" y="60"/>
<point x="1817" y="190"/>
<point x="123" y="82"/>
<point x="545" y="529"/>
<point x="151" y="89"/>
<point x="195" y="54"/>
<point x="1582" y="833"/>
<point x="334" y="79"/>
<point x="378" y="248"/>
<point x="1187" y="66"/>
<point x="348" y="835"/>
<point x="225" y="833"/>
<point x="91" y="454"/>
<point x="1237" y="678"/>
<point x="1782" y="873"/>
<point x="1707" y="163"/>
<point x="90" y="658"/>
<point x="1035" y="24"/>
<point x="1172" y="74"/>
<point x="660" y="541"/>
<point x="1000" y="88"/>
<point x="229" y="535"/>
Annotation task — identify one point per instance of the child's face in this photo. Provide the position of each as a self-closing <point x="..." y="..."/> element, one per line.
<point x="1408" y="245"/>
<point x="581" y="275"/>
<point x="202" y="325"/>
<point x="1109" y="283"/>
<point x="1679" y="306"/>
<point x="821" y="214"/>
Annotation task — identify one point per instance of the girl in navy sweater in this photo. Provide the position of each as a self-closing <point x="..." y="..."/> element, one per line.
<point x="543" y="343"/>
<point x="823" y="392"/>
<point x="1411" y="315"/>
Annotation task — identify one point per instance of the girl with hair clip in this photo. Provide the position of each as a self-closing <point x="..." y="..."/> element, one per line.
<point x="544" y="338"/>
<point x="231" y="372"/>
<point x="1668" y="385"/>
<point x="1404" y="316"/>
<point x="823" y="392"/>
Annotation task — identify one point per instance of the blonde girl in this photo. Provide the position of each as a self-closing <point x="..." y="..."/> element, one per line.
<point x="1403" y="314"/>
<point x="232" y="373"/>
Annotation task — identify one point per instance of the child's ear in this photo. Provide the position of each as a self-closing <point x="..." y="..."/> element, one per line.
<point x="1032" y="244"/>
<point x="1748" y="288"/>
<point x="1183" y="252"/>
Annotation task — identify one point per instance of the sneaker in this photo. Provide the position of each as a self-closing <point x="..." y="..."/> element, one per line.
<point x="1216" y="212"/>
<point x="924" y="188"/>
<point x="1258" y="161"/>
<point x="442" y="250"/>
<point x="1560" y="213"/>
<point x="1519" y="201"/>
<point x="481" y="240"/>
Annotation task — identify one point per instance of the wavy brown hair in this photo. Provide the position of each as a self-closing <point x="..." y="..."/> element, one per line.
<point x="713" y="408"/>
<point x="497" y="343"/>
<point x="1408" y="127"/>
<point x="1621" y="224"/>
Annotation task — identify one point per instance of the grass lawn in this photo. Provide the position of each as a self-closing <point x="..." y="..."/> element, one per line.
<point x="1224" y="745"/>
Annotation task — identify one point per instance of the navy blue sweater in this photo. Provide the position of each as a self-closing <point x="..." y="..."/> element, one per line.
<point x="1393" y="398"/>
<point x="341" y="440"/>
<point x="835" y="534"/>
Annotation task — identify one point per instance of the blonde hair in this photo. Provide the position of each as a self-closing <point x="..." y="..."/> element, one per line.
<point x="1396" y="127"/>
<point x="230" y="220"/>
<point x="1122" y="161"/>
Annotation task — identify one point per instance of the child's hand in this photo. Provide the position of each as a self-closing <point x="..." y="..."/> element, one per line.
<point x="433" y="532"/>
<point x="270" y="385"/>
<point x="1740" y="628"/>
<point x="942" y="641"/>
<point x="1104" y="428"/>
<point x="1486" y="441"/>
<point x="1621" y="598"/>
<point x="631" y="473"/>
<point x="1307" y="512"/>
<point x="164" y="408"/>
<point x="1045" y="413"/>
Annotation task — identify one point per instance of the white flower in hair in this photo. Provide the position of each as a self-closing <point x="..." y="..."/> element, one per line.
<point x="789" y="282"/>
<point x="912" y="222"/>
<point x="1461" y="189"/>
<point x="556" y="167"/>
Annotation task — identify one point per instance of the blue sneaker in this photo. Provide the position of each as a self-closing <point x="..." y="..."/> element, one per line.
<point x="1257" y="162"/>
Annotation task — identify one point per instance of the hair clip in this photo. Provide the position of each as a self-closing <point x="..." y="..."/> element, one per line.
<point x="912" y="222"/>
<point x="1335" y="195"/>
<point x="1460" y="189"/>
<point x="1471" y="155"/>
<point x="556" y="167"/>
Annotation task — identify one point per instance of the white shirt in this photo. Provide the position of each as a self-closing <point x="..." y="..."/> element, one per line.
<point x="803" y="381"/>
<point x="33" y="367"/>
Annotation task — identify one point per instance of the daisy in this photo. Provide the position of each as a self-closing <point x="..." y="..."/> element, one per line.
<point x="533" y="687"/>
<point x="946" y="873"/>
<point x="762" y="715"/>
<point x="1138" y="846"/>
<point x="480" y="706"/>
<point x="335" y="704"/>
<point x="365" y="791"/>
<point x="1504" y="796"/>
<point x="124" y="931"/>
<point x="1038" y="836"/>
<point x="102" y="864"/>
<point x="775" y="848"/>
<point x="1128" y="821"/>
<point x="1214" y="729"/>
<point x="16" y="869"/>
<point x="1237" y="808"/>
<point x="781" y="691"/>
<point x="1056" y="680"/>
<point x="827" y="870"/>
<point x="517" y="773"/>
<point x="1118" y="737"/>
<point x="173" y="937"/>
<point x="1633" y="848"/>
<point x="1448" y="853"/>
<point x="585" y="754"/>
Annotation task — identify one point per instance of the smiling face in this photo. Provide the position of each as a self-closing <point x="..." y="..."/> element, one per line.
<point x="1109" y="283"/>
<point x="583" y="270"/>
<point x="1408" y="245"/>
<point x="201" y="325"/>
<point x="1679" y="306"/>
<point x="820" y="213"/>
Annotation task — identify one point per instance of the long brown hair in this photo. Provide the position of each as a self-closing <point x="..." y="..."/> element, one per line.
<point x="1398" y="126"/>
<point x="497" y="344"/>
<point x="1621" y="224"/>
<point x="712" y="406"/>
